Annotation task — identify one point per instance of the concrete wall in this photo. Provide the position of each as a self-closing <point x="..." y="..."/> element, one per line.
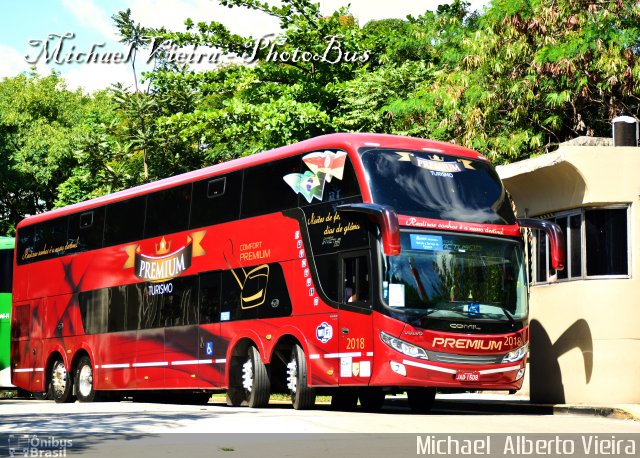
<point x="585" y="334"/>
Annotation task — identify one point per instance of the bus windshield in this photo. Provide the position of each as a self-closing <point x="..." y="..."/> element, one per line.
<point x="456" y="277"/>
<point x="437" y="186"/>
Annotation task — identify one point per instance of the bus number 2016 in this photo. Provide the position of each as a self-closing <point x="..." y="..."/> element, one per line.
<point x="355" y="343"/>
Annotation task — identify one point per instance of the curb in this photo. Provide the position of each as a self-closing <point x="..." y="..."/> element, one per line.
<point x="510" y="407"/>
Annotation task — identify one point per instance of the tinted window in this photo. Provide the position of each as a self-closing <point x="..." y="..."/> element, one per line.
<point x="606" y="241"/>
<point x="43" y="241"/>
<point x="94" y="310"/>
<point x="209" y="299"/>
<point x="135" y="299"/>
<point x="266" y="191"/>
<point x="124" y="221"/>
<point x="117" y="308"/>
<point x="86" y="229"/>
<point x="178" y="305"/>
<point x="168" y="211"/>
<point x="216" y="200"/>
<point x="437" y="186"/>
<point x="6" y="270"/>
<point x="328" y="273"/>
<point x="326" y="176"/>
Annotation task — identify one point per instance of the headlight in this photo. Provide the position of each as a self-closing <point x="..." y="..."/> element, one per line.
<point x="515" y="355"/>
<point x="403" y="347"/>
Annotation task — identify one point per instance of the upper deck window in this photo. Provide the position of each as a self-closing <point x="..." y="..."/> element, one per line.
<point x="437" y="186"/>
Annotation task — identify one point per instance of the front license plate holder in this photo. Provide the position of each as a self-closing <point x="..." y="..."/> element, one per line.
<point x="467" y="376"/>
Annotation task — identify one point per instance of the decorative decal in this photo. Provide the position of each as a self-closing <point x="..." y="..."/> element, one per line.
<point x="252" y="283"/>
<point x="324" y="332"/>
<point x="163" y="264"/>
<point x="323" y="166"/>
<point x="436" y="163"/>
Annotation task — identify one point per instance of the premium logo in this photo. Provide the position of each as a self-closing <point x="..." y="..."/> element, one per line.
<point x="164" y="264"/>
<point x="467" y="344"/>
<point x="436" y="163"/>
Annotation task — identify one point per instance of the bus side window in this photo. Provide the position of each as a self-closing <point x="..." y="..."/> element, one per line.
<point x="355" y="276"/>
<point x="168" y="211"/>
<point x="216" y="200"/>
<point x="209" y="297"/>
<point x="124" y="221"/>
<point x="265" y="190"/>
<point x="86" y="229"/>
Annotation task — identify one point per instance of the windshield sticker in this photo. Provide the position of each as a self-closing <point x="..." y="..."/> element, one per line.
<point x="396" y="295"/>
<point x="323" y="166"/>
<point x="426" y="242"/>
<point x="437" y="164"/>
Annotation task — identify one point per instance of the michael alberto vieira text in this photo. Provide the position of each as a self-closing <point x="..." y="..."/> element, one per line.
<point x="517" y="445"/>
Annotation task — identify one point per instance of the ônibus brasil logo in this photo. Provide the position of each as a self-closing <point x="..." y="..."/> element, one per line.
<point x="163" y="264"/>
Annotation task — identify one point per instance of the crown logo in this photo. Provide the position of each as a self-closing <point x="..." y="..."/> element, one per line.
<point x="435" y="157"/>
<point x="163" y="248"/>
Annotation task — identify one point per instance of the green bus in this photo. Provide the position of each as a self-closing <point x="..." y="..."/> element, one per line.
<point x="6" y="275"/>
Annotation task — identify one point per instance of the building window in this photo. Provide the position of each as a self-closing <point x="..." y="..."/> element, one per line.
<point x="596" y="241"/>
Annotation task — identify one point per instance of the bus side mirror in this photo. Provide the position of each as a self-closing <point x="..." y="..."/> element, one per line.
<point x="556" y="240"/>
<point x="386" y="219"/>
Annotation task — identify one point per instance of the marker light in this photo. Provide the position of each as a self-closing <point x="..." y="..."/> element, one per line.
<point x="403" y="347"/>
<point x="515" y="355"/>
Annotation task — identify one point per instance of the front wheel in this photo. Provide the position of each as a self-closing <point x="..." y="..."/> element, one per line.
<point x="371" y="399"/>
<point x="60" y="383"/>
<point x="85" y="388"/>
<point x="302" y="396"/>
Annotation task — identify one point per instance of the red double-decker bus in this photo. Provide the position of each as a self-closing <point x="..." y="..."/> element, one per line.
<point x="353" y="265"/>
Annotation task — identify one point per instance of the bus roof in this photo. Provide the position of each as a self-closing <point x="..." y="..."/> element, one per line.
<point x="348" y="142"/>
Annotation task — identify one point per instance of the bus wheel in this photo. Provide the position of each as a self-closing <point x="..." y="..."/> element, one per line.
<point x="421" y="399"/>
<point x="345" y="400"/>
<point x="302" y="397"/>
<point x="255" y="380"/>
<point x="84" y="381"/>
<point x="60" y="383"/>
<point x="372" y="399"/>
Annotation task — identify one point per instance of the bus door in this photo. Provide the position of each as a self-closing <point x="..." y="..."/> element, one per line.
<point x="355" y="320"/>
<point x="26" y="348"/>
<point x="211" y="348"/>
<point x="179" y="317"/>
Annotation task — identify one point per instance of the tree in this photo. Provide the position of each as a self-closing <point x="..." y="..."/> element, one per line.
<point x="39" y="120"/>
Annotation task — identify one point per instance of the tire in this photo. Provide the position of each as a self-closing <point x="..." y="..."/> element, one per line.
<point x="255" y="386"/>
<point x="83" y="381"/>
<point x="372" y="399"/>
<point x="345" y="400"/>
<point x="421" y="399"/>
<point x="60" y="383"/>
<point x="302" y="396"/>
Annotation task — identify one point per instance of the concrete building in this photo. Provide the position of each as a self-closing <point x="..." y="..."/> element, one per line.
<point x="585" y="320"/>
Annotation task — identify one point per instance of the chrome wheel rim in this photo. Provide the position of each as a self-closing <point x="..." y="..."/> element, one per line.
<point x="247" y="375"/>
<point x="59" y="379"/>
<point x="85" y="381"/>
<point x="292" y="376"/>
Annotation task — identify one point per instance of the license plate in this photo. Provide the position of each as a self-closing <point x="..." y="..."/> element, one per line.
<point x="467" y="376"/>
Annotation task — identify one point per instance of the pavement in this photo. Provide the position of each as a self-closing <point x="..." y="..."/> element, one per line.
<point x="510" y="404"/>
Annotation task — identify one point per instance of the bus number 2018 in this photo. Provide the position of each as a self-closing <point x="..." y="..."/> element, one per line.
<point x="355" y="343"/>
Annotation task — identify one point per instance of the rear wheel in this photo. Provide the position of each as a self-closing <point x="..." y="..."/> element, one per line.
<point x="60" y="383"/>
<point x="302" y="396"/>
<point x="421" y="399"/>
<point x="85" y="389"/>
<point x="254" y="385"/>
